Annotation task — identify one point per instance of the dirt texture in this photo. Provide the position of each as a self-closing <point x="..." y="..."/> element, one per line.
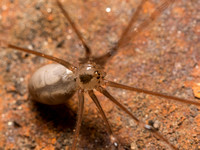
<point x="164" y="58"/>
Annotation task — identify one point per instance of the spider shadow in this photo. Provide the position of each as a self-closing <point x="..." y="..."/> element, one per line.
<point x="62" y="120"/>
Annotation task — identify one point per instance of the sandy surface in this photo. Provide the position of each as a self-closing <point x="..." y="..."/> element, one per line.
<point x="164" y="58"/>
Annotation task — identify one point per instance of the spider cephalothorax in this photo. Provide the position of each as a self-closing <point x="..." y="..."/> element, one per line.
<point x="89" y="76"/>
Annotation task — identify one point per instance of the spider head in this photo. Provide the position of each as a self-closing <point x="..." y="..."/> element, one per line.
<point x="89" y="76"/>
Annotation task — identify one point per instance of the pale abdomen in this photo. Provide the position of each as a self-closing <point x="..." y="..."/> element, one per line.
<point x="52" y="84"/>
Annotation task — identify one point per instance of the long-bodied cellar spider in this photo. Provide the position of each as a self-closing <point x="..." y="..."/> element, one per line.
<point x="124" y="63"/>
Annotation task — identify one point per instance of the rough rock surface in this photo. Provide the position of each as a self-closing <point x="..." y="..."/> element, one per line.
<point x="164" y="58"/>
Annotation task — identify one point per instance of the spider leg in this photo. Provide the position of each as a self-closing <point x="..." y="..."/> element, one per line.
<point x="79" y="117"/>
<point x="157" y="12"/>
<point x="121" y="86"/>
<point x="65" y="13"/>
<point x="127" y="35"/>
<point x="96" y="101"/>
<point x="55" y="59"/>
<point x="103" y="59"/>
<point x="140" y="123"/>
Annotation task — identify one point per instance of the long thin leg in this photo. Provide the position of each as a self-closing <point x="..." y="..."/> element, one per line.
<point x="140" y="123"/>
<point x="60" y="61"/>
<point x="79" y="117"/>
<point x="117" y="85"/>
<point x="96" y="101"/>
<point x="126" y="36"/>
<point x="163" y="6"/>
<point x="65" y="13"/>
<point x="132" y="21"/>
<point x="105" y="57"/>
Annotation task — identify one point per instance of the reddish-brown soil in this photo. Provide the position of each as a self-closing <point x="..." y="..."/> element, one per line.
<point x="164" y="58"/>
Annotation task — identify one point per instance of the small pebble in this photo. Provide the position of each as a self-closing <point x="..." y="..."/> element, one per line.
<point x="108" y="10"/>
<point x="156" y="124"/>
<point x="134" y="146"/>
<point x="10" y="123"/>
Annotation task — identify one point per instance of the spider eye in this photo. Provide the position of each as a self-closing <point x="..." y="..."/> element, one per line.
<point x="97" y="74"/>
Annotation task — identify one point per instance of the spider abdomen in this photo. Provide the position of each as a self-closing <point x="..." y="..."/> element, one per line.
<point x="52" y="84"/>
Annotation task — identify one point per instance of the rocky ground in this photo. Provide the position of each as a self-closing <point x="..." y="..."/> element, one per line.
<point x="164" y="58"/>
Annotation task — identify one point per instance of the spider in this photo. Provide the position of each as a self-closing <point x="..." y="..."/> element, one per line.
<point x="86" y="84"/>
